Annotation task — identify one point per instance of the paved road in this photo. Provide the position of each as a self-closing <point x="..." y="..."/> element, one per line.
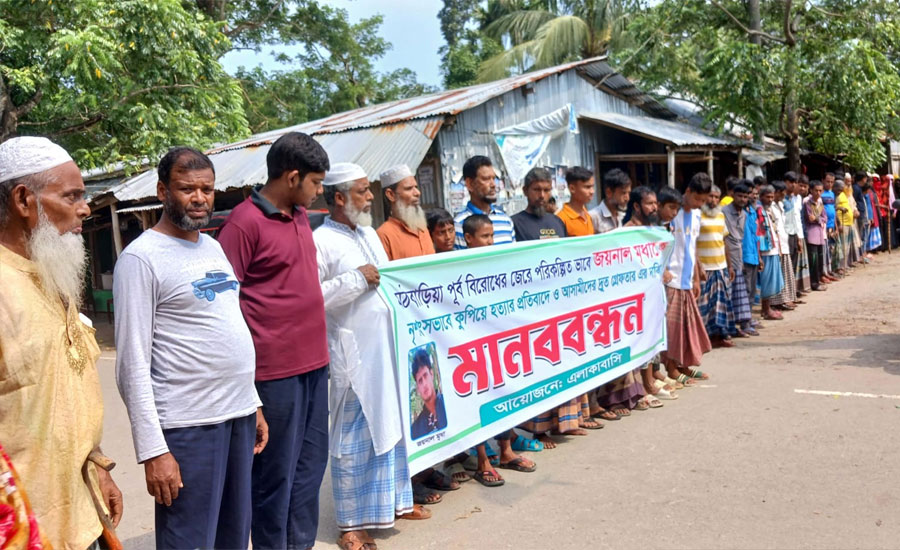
<point x="743" y="462"/>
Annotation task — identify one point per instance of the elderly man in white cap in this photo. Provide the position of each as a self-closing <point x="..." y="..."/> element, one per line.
<point x="51" y="406"/>
<point x="369" y="470"/>
<point x="405" y="233"/>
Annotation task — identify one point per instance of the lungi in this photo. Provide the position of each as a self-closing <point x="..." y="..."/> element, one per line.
<point x="874" y="238"/>
<point x="740" y="301"/>
<point x="788" y="294"/>
<point x="715" y="304"/>
<point x="563" y="419"/>
<point x="624" y="391"/>
<point x="688" y="340"/>
<point x="771" y="280"/>
<point x="369" y="490"/>
<point x="802" y="269"/>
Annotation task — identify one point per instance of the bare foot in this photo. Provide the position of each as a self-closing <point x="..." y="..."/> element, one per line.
<point x="547" y="441"/>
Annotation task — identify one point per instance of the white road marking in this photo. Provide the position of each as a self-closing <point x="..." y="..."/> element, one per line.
<point x="848" y="394"/>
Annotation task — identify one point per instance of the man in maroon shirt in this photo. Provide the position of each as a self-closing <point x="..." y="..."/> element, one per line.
<point x="269" y="243"/>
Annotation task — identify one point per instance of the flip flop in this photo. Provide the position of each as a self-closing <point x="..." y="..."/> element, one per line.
<point x="699" y="374"/>
<point x="522" y="443"/>
<point x="418" y="512"/>
<point x="591" y="425"/>
<point x="457" y="472"/>
<point x="480" y="478"/>
<point x="642" y="404"/>
<point x="517" y="465"/>
<point x="607" y="415"/>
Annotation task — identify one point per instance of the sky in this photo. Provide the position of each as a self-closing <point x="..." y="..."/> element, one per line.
<point x="411" y="26"/>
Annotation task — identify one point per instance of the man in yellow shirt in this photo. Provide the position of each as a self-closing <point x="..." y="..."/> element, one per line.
<point x="844" y="221"/>
<point x="51" y="406"/>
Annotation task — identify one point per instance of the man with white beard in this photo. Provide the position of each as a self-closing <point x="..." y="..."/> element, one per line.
<point x="51" y="406"/>
<point x="405" y="233"/>
<point x="185" y="365"/>
<point x="370" y="477"/>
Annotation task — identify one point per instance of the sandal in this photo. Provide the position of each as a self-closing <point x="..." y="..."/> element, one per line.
<point x="642" y="404"/>
<point x="653" y="402"/>
<point x="440" y="481"/>
<point x="418" y="512"/>
<point x="575" y="432"/>
<point x="621" y="411"/>
<point x="521" y="443"/>
<point x="668" y="395"/>
<point x="456" y="471"/>
<point x="674" y="383"/>
<point x="698" y="374"/>
<point x="687" y="381"/>
<point x="607" y="415"/>
<point x="352" y="540"/>
<point x="591" y="425"/>
<point x="481" y="477"/>
<point x="518" y="464"/>
<point x="422" y="495"/>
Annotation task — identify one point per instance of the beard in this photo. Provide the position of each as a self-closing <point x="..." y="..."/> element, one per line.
<point x="357" y="216"/>
<point x="180" y="218"/>
<point x="711" y="212"/>
<point x="61" y="260"/>
<point x="539" y="211"/>
<point x="413" y="216"/>
<point x="650" y="219"/>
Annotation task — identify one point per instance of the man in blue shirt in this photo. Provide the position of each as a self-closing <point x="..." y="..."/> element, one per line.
<point x="481" y="181"/>
<point x="750" y="246"/>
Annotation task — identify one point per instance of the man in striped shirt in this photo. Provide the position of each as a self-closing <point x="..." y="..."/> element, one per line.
<point x="481" y="181"/>
<point x="715" y="299"/>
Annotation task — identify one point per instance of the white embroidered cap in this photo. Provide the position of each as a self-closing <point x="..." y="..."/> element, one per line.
<point x="342" y="172"/>
<point x="27" y="155"/>
<point x="394" y="175"/>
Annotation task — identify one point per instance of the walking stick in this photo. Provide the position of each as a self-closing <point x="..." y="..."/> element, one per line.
<point x="108" y="540"/>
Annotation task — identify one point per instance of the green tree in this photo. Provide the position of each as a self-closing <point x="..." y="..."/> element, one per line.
<point x="115" y="80"/>
<point x="820" y="74"/>
<point x="467" y="46"/>
<point x="543" y="33"/>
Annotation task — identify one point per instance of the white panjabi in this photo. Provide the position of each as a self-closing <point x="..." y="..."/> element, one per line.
<point x="27" y="155"/>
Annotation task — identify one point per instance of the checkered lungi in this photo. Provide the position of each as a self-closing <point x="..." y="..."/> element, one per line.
<point x="788" y="294"/>
<point x="369" y="490"/>
<point x="715" y="304"/>
<point x="564" y="418"/>
<point x="740" y="301"/>
<point x="687" y="338"/>
<point x="802" y="269"/>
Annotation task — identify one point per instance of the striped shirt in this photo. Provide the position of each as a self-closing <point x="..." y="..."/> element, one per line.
<point x="685" y="228"/>
<point x="711" y="242"/>
<point x="504" y="232"/>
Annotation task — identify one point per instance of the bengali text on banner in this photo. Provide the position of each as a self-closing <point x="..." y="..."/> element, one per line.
<point x="486" y="339"/>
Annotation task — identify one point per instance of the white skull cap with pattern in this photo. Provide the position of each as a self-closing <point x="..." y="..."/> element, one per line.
<point x="394" y="175"/>
<point x="342" y="172"/>
<point x="27" y="155"/>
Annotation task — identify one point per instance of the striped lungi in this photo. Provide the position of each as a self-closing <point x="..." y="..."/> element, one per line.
<point x="788" y="294"/>
<point x="740" y="301"/>
<point x="624" y="391"/>
<point x="802" y="269"/>
<point x="715" y="304"/>
<point x="369" y="490"/>
<point x="563" y="419"/>
<point x="771" y="281"/>
<point x="687" y="338"/>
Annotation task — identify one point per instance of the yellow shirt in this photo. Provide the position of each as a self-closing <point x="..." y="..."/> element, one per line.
<point x="726" y="200"/>
<point x="577" y="225"/>
<point x="841" y="201"/>
<point x="51" y="405"/>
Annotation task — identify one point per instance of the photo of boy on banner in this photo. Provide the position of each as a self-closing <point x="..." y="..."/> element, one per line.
<point x="426" y="400"/>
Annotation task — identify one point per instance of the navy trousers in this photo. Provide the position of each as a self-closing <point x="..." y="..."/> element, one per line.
<point x="213" y="508"/>
<point x="288" y="473"/>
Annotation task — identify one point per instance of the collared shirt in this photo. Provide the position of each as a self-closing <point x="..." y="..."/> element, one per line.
<point x="815" y="227"/>
<point x="274" y="258"/>
<point x="750" y="246"/>
<point x="359" y="334"/>
<point x="793" y="217"/>
<point x="828" y="200"/>
<point x="735" y="220"/>
<point x="711" y="242"/>
<point x="531" y="228"/>
<point x="845" y="217"/>
<point x="51" y="406"/>
<point x="780" y="244"/>
<point x="401" y="242"/>
<point x="578" y="224"/>
<point x="604" y="220"/>
<point x="504" y="232"/>
<point x="686" y="229"/>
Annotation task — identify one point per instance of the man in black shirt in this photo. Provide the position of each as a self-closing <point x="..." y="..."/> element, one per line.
<point x="538" y="221"/>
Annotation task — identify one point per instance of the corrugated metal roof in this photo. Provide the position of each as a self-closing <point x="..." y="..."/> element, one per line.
<point x="142" y="208"/>
<point x="672" y="133"/>
<point x="375" y="149"/>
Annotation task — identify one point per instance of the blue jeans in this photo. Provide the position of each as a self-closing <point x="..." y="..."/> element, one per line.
<point x="288" y="473"/>
<point x="213" y="508"/>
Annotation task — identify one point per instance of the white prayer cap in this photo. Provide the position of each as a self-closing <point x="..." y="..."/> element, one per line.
<point x="27" y="155"/>
<point x="342" y="172"/>
<point x="394" y="175"/>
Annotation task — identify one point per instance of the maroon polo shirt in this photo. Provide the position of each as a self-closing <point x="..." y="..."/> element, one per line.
<point x="274" y="258"/>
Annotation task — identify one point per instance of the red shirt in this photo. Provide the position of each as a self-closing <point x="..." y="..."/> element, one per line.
<point x="274" y="258"/>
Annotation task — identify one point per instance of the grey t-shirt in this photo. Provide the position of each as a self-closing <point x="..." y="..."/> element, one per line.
<point x="184" y="353"/>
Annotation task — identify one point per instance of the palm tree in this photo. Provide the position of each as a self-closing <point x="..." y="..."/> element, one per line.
<point x="544" y="33"/>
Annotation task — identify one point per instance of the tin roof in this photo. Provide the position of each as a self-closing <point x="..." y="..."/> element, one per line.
<point x="670" y="132"/>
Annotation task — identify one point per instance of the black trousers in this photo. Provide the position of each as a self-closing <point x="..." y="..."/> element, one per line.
<point x="816" y="255"/>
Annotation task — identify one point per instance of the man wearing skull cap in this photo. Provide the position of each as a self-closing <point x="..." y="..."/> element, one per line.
<point x="405" y="233"/>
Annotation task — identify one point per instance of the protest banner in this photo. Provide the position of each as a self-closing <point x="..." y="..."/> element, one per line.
<point x="493" y="337"/>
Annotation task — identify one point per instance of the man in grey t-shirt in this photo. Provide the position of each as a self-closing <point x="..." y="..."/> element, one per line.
<point x="185" y="367"/>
